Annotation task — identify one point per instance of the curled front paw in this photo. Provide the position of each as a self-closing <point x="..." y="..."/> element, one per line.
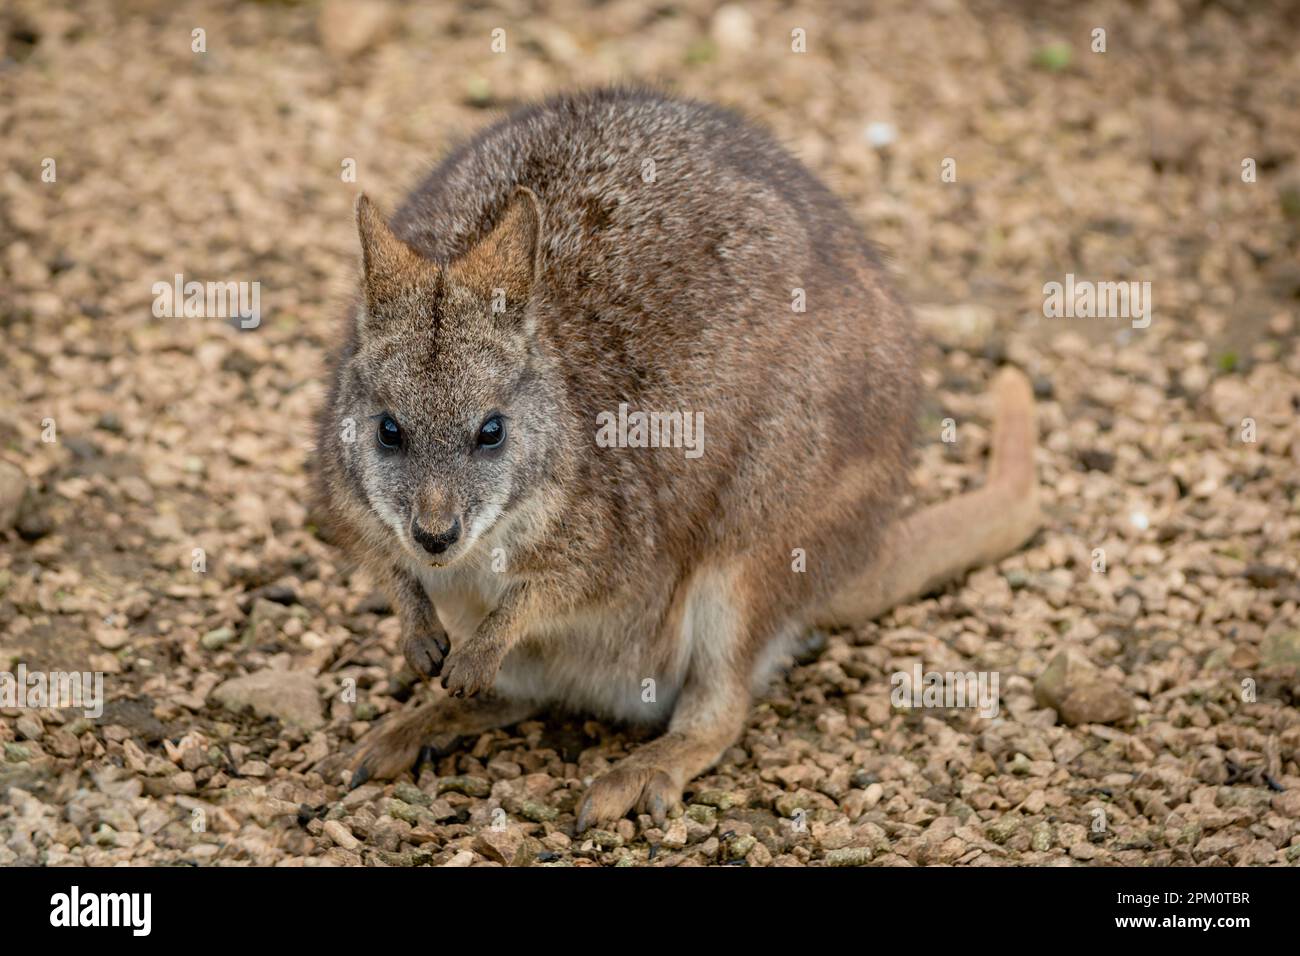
<point x="470" y="669"/>
<point x="425" y="651"/>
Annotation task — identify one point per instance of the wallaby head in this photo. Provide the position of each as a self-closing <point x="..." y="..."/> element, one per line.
<point x="448" y="385"/>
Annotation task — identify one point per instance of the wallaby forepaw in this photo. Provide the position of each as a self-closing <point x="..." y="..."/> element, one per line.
<point x="471" y="669"/>
<point x="425" y="652"/>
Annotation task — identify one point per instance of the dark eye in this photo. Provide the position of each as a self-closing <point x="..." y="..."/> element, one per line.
<point x="390" y="436"/>
<point x="492" y="432"/>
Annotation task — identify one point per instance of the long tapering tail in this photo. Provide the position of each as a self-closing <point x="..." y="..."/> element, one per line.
<point x="937" y="544"/>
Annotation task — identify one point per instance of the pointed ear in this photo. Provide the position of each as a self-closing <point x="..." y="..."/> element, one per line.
<point x="508" y="257"/>
<point x="391" y="266"/>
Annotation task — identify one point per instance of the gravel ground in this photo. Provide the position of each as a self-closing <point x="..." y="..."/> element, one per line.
<point x="1165" y="729"/>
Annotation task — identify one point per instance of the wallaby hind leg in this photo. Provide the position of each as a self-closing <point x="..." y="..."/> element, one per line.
<point x="937" y="544"/>
<point x="394" y="746"/>
<point x="709" y="716"/>
<point x="718" y="621"/>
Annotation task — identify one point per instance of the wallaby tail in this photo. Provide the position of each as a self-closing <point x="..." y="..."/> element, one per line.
<point x="936" y="544"/>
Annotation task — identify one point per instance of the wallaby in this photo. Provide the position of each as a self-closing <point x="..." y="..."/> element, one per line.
<point x="633" y="403"/>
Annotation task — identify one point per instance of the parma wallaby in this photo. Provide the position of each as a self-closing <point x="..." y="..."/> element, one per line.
<point x="635" y="404"/>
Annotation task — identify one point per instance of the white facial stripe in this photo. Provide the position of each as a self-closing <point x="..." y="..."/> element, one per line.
<point x="374" y="492"/>
<point x="484" y="521"/>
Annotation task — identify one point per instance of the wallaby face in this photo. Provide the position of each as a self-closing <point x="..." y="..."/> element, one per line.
<point x="590" y="257"/>
<point x="452" y="402"/>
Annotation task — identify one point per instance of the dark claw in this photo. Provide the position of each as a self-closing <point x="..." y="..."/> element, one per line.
<point x="361" y="775"/>
<point x="435" y="667"/>
<point x="658" y="810"/>
<point x="427" y="755"/>
<point x="425" y="654"/>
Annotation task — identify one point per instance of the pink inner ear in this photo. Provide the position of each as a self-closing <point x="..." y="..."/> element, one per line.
<point x="506" y="258"/>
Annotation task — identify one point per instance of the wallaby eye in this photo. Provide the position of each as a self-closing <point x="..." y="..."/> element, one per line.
<point x="390" y="436"/>
<point x="492" y="432"/>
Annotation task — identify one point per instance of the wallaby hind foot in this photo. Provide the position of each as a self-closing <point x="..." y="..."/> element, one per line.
<point x="396" y="745"/>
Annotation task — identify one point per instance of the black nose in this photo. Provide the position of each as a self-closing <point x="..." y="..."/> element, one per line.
<point x="435" y="543"/>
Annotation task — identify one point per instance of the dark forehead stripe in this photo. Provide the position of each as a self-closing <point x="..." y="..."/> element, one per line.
<point x="413" y="312"/>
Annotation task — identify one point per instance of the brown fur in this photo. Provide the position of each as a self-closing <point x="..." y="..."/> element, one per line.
<point x="586" y="570"/>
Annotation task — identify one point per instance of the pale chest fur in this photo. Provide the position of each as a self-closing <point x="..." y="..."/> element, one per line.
<point x="624" y="661"/>
<point x="598" y="660"/>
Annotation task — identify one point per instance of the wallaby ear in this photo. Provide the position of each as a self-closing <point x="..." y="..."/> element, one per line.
<point x="507" y="259"/>
<point x="390" y="264"/>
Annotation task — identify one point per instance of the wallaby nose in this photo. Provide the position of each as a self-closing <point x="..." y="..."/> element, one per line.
<point x="435" y="543"/>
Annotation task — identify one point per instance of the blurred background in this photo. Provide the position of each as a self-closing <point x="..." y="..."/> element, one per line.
<point x="228" y="141"/>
